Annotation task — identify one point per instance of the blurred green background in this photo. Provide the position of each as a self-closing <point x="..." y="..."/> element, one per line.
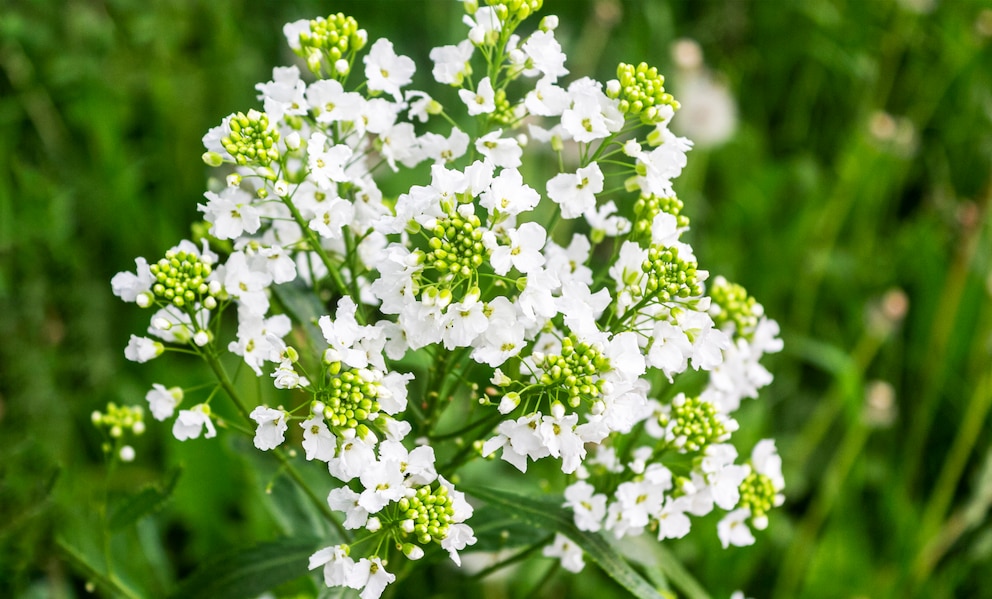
<point x="852" y="200"/>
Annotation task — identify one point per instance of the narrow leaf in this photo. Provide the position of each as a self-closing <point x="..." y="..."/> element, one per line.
<point x="551" y="516"/>
<point x="148" y="500"/>
<point x="94" y="573"/>
<point x="251" y="571"/>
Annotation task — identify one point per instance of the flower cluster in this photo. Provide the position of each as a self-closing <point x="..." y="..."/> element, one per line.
<point x="117" y="422"/>
<point x="495" y="276"/>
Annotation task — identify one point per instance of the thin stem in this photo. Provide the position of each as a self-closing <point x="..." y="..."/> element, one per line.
<point x="516" y="557"/>
<point x="552" y="570"/>
<point x="319" y="503"/>
<point x="228" y="386"/>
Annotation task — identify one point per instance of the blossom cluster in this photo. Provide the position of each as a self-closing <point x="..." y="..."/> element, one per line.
<point x="572" y="297"/>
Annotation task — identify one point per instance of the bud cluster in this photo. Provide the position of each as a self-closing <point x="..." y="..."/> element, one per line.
<point x="252" y="141"/>
<point x="691" y="424"/>
<point x="732" y="304"/>
<point x="348" y="398"/>
<point x="517" y="10"/>
<point x="456" y="246"/>
<point x="427" y="514"/>
<point x="337" y="37"/>
<point x="181" y="279"/>
<point x="641" y="91"/>
<point x="120" y="419"/>
<point x="577" y="370"/>
<point x="758" y="494"/>
<point x="669" y="276"/>
<point x="648" y="206"/>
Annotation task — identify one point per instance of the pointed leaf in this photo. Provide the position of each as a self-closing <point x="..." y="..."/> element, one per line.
<point x="551" y="516"/>
<point x="251" y="571"/>
<point x="148" y="500"/>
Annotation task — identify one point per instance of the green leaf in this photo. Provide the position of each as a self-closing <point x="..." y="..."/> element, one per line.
<point x="251" y="571"/>
<point x="551" y="516"/>
<point x="498" y="531"/>
<point x="88" y="566"/>
<point x="656" y="559"/>
<point x="148" y="500"/>
<point x="302" y="304"/>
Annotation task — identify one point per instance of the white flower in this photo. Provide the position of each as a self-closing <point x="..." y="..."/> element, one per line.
<point x="318" y="442"/>
<point x="509" y="194"/>
<point x="327" y="165"/>
<point x="451" y="62"/>
<point x="142" y="349"/>
<point x="354" y="456"/>
<point x="591" y="115"/>
<point x="766" y="461"/>
<point x="444" y="149"/>
<point x="605" y="220"/>
<point x="483" y="26"/>
<point x="163" y="401"/>
<point x="524" y="251"/>
<point x="568" y="552"/>
<point x="190" y="423"/>
<point x="284" y="94"/>
<point x="576" y="193"/>
<point x="386" y="71"/>
<point x="733" y="529"/>
<point x="345" y="500"/>
<point x="482" y="100"/>
<point x="545" y="54"/>
<point x="503" y="337"/>
<point x="546" y="99"/>
<point x="271" y="430"/>
<point x="463" y="322"/>
<point x="588" y="507"/>
<point x="260" y="339"/>
<point x="132" y="287"/>
<point x="373" y="576"/>
<point x="459" y="535"/>
<point x="417" y="465"/>
<point x="672" y="521"/>
<point x="502" y="152"/>
<point x="327" y="98"/>
<point x="557" y="432"/>
<point x="287" y="378"/>
<point x="383" y="482"/>
<point x="247" y="285"/>
<point x="339" y="569"/>
<point x="519" y="439"/>
<point x="393" y="392"/>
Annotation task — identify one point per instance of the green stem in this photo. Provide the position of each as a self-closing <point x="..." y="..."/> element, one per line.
<point x="319" y="503"/>
<point x="796" y="558"/>
<point x="314" y="242"/>
<point x="516" y="557"/>
<point x="552" y="570"/>
<point x="228" y="386"/>
<point x="947" y="482"/>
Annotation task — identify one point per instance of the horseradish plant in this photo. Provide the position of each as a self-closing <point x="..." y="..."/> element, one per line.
<point x="527" y="296"/>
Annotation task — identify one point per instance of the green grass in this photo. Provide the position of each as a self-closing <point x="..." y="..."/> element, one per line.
<point x="102" y="106"/>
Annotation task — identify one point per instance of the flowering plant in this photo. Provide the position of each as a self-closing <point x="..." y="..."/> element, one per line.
<point x="529" y="299"/>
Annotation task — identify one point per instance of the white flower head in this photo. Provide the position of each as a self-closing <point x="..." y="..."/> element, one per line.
<point x="480" y="101"/>
<point x="271" y="430"/>
<point x="568" y="552"/>
<point x="163" y="401"/>
<point x="190" y="424"/>
<point x="387" y="71"/>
